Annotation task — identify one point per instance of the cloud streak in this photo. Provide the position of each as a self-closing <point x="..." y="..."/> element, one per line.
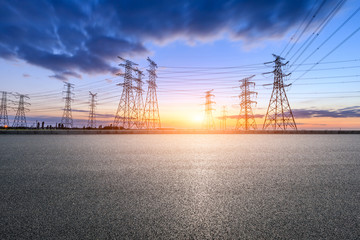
<point x="349" y="112"/>
<point x="236" y="116"/>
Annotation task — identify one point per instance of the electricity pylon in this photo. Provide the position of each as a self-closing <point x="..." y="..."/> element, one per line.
<point x="126" y="114"/>
<point x="209" y="123"/>
<point x="246" y="119"/>
<point x="20" y="118"/>
<point x="279" y="114"/>
<point x="223" y="118"/>
<point x="92" y="115"/>
<point x="66" y="119"/>
<point x="4" y="119"/>
<point x="139" y="102"/>
<point x="151" y="113"/>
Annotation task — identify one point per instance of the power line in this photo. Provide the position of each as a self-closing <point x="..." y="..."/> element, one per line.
<point x="317" y="32"/>
<point x="297" y="30"/>
<point x="207" y="67"/>
<point x="306" y="27"/>
<point x="328" y="38"/>
<point x="329" y="53"/>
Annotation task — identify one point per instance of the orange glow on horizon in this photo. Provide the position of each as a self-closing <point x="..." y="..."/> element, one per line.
<point x="193" y="119"/>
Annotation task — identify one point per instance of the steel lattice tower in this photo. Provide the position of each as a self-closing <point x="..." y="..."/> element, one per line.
<point x="209" y="123"/>
<point x="151" y="113"/>
<point x="126" y="114"/>
<point x="4" y="120"/>
<point x="139" y="102"/>
<point x="20" y="119"/>
<point x="279" y="114"/>
<point x="67" y="114"/>
<point x="92" y="115"/>
<point x="246" y="119"/>
<point x="223" y="119"/>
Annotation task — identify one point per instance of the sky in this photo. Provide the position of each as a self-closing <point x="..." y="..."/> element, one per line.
<point x="198" y="46"/>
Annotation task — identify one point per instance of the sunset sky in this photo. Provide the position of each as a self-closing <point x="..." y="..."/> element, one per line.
<point x="198" y="45"/>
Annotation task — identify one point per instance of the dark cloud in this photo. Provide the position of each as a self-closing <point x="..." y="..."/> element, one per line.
<point x="25" y="75"/>
<point x="98" y="115"/>
<point x="86" y="36"/>
<point x="353" y="111"/>
<point x="348" y="112"/>
<point x="104" y="115"/>
<point x="63" y="75"/>
<point x="80" y="110"/>
<point x="51" y="120"/>
<point x="31" y="121"/>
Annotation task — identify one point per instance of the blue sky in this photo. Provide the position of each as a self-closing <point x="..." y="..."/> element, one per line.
<point x="79" y="43"/>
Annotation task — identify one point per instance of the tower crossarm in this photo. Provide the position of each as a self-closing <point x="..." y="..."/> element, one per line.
<point x="152" y="62"/>
<point x="127" y="61"/>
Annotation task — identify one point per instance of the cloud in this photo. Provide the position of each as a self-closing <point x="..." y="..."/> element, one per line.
<point x="236" y="116"/>
<point x="51" y="120"/>
<point x="25" y="75"/>
<point x="79" y="110"/>
<point x="104" y="115"/>
<point x="98" y="115"/>
<point x="31" y="120"/>
<point x="86" y="36"/>
<point x="63" y="75"/>
<point x="312" y="124"/>
<point x="347" y="112"/>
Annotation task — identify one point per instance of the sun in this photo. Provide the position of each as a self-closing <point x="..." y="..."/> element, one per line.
<point x="198" y="118"/>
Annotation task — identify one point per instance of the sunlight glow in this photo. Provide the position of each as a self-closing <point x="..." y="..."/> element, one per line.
<point x="197" y="118"/>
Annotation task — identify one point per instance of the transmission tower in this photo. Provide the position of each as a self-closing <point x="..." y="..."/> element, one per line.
<point x="66" y="119"/>
<point x="20" y="119"/>
<point x="126" y="114"/>
<point x="151" y="113"/>
<point x="246" y="119"/>
<point x="279" y="114"/>
<point x="4" y="120"/>
<point x="223" y="118"/>
<point x="139" y="102"/>
<point x="209" y="123"/>
<point x="92" y="115"/>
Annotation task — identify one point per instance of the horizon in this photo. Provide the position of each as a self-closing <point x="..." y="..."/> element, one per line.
<point x="196" y="46"/>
